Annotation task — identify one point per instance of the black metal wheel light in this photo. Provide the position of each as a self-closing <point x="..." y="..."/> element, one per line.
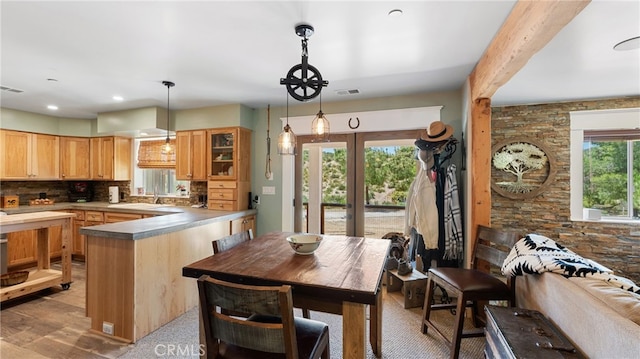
<point x="304" y="81"/>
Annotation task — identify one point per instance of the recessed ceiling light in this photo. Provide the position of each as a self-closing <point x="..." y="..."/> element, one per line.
<point x="628" y="44"/>
<point x="52" y="107"/>
<point x="395" y="13"/>
<point x="118" y="98"/>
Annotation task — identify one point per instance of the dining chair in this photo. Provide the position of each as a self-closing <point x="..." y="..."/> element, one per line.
<point x="471" y="285"/>
<point x="270" y="332"/>
<point x="231" y="241"/>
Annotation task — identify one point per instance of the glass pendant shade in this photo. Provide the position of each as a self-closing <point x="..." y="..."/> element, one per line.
<point x="287" y="141"/>
<point x="320" y="128"/>
<point x="167" y="149"/>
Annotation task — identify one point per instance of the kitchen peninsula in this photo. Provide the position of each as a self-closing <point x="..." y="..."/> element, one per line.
<point x="134" y="268"/>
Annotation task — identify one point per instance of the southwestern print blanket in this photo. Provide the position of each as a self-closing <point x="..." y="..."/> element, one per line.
<point x="536" y="254"/>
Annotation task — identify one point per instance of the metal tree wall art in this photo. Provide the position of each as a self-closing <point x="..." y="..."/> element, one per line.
<point x="532" y="166"/>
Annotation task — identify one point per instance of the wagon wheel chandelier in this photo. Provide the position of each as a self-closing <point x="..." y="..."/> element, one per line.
<point x="304" y="81"/>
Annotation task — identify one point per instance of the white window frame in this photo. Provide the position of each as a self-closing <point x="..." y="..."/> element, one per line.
<point x="625" y="119"/>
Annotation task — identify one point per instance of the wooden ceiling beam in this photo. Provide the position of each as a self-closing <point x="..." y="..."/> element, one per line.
<point x="527" y="29"/>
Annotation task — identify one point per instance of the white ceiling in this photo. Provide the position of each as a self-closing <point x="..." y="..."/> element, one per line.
<point x="222" y="52"/>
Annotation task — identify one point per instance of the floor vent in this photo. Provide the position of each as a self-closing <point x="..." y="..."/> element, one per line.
<point x="10" y="89"/>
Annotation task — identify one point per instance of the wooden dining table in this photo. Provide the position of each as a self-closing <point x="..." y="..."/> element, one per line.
<point x="343" y="276"/>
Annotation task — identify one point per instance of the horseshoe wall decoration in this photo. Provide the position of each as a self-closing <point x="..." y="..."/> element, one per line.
<point x="357" y="123"/>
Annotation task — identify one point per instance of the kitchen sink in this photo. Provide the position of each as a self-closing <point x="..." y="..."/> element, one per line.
<point x="139" y="205"/>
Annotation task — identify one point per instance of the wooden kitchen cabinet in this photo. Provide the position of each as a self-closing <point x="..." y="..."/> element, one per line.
<point x="30" y="156"/>
<point x="75" y="158"/>
<point x="77" y="239"/>
<point x="191" y="155"/>
<point x="21" y="249"/>
<point x="115" y="217"/>
<point x="228" y="168"/>
<point x="110" y="158"/>
<point x="244" y="224"/>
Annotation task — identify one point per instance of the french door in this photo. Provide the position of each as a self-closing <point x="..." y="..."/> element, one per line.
<point x="333" y="190"/>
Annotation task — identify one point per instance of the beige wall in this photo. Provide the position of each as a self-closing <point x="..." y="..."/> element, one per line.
<point x="549" y="214"/>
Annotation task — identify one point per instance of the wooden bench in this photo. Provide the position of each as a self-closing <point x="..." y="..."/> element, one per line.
<point x="412" y="286"/>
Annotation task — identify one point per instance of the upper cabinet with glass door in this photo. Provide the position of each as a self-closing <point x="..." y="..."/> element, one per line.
<point x="229" y="156"/>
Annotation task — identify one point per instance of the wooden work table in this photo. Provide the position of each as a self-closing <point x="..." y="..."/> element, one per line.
<point x="43" y="277"/>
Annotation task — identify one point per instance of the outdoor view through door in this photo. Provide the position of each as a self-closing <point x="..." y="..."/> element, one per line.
<point x="356" y="184"/>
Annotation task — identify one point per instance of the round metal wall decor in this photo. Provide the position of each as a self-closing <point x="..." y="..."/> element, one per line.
<point x="521" y="168"/>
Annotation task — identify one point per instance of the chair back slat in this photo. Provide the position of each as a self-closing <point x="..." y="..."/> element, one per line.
<point x="492" y="245"/>
<point x="228" y="242"/>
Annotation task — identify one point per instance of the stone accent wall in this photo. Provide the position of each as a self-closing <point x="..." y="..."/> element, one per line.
<point x="549" y="214"/>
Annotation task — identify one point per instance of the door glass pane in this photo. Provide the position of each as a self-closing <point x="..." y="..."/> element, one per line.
<point x="390" y="167"/>
<point x="324" y="188"/>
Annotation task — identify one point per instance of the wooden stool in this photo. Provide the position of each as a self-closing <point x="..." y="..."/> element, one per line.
<point x="412" y="286"/>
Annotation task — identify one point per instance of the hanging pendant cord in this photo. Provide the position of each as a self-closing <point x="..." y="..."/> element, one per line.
<point x="267" y="171"/>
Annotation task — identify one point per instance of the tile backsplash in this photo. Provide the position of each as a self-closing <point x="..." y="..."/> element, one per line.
<point x="58" y="191"/>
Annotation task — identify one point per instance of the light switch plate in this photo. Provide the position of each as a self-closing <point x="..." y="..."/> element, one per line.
<point x="268" y="190"/>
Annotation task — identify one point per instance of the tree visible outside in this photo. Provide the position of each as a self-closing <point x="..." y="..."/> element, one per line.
<point x="389" y="172"/>
<point x="605" y="166"/>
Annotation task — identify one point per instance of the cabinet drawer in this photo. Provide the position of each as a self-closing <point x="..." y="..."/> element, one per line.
<point x="222" y="194"/>
<point x="94" y="216"/>
<point x="222" y="205"/>
<point x="79" y="215"/>
<point x="111" y="217"/>
<point x="222" y="184"/>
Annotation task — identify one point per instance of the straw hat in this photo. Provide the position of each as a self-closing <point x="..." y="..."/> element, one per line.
<point x="437" y="132"/>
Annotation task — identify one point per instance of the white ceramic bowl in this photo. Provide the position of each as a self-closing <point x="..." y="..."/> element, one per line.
<point x="304" y="243"/>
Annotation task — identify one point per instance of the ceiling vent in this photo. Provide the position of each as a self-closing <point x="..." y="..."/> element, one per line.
<point x="10" y="89"/>
<point x="347" y="92"/>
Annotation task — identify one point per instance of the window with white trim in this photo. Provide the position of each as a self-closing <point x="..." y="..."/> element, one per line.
<point x="605" y="165"/>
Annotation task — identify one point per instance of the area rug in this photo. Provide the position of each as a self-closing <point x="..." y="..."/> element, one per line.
<point x="401" y="338"/>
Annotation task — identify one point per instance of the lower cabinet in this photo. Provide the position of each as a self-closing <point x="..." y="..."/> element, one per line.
<point x="243" y="224"/>
<point x="21" y="249"/>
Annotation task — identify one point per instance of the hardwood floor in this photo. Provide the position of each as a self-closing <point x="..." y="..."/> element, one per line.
<point x="52" y="324"/>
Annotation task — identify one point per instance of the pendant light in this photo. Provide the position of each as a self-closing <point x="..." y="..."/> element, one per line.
<point x="287" y="139"/>
<point x="167" y="148"/>
<point x="320" y="126"/>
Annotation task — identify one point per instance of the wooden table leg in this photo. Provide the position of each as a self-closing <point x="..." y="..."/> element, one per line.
<point x="375" y="326"/>
<point x="44" y="260"/>
<point x="353" y="330"/>
<point x="66" y="251"/>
